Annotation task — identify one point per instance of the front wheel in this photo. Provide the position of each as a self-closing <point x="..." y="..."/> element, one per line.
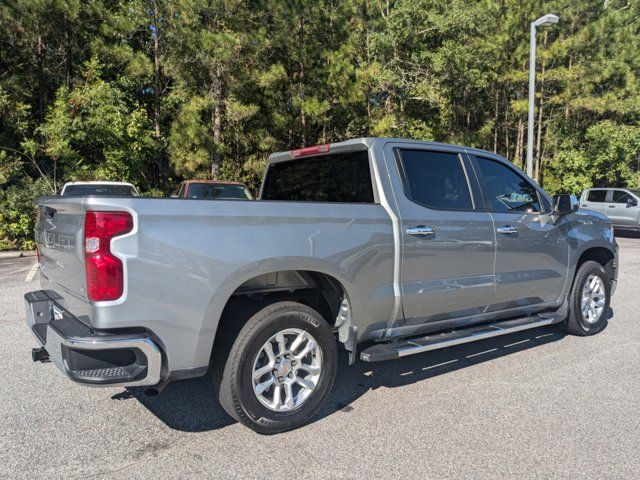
<point x="589" y="300"/>
<point x="280" y="368"/>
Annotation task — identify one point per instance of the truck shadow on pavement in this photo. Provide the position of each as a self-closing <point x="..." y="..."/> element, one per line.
<point x="190" y="405"/>
<point x="627" y="233"/>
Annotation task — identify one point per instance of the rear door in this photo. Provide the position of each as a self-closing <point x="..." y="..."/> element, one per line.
<point x="532" y="252"/>
<point x="620" y="211"/>
<point x="448" y="246"/>
<point x="596" y="200"/>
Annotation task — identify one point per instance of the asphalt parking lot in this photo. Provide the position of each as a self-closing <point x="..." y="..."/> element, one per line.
<point x="534" y="404"/>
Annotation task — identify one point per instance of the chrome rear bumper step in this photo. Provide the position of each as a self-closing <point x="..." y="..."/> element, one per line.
<point x="85" y="355"/>
<point x="403" y="348"/>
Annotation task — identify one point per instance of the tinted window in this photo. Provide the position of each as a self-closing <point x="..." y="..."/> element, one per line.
<point x="620" y="196"/>
<point x="211" y="191"/>
<point x="597" y="195"/>
<point x="106" y="190"/>
<point x="435" y="180"/>
<point x="507" y="191"/>
<point x="330" y="178"/>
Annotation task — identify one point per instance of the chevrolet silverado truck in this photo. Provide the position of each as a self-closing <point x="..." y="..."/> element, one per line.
<point x="381" y="247"/>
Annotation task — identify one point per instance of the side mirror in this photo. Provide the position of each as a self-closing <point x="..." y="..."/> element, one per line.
<point x="564" y="204"/>
<point x="632" y="202"/>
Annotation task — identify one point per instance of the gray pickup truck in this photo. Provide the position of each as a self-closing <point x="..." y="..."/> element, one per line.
<point x="383" y="247"/>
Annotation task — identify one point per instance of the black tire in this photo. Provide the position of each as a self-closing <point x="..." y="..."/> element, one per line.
<point x="234" y="376"/>
<point x="576" y="323"/>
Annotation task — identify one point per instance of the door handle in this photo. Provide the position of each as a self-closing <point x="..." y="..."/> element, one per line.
<point x="507" y="230"/>
<point x="612" y="206"/>
<point x="421" y="231"/>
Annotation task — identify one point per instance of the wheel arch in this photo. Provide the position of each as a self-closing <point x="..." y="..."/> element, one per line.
<point x="303" y="278"/>
<point x="601" y="253"/>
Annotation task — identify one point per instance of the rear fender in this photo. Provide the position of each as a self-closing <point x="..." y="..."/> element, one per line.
<point x="236" y="279"/>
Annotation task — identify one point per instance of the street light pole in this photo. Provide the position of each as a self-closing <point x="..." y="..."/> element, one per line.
<point x="532" y="98"/>
<point x="548" y="19"/>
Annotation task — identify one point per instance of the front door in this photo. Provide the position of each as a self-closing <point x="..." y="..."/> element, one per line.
<point x="448" y="246"/>
<point x="621" y="212"/>
<point x="532" y="253"/>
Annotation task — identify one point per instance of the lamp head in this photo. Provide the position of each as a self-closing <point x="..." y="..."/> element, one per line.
<point x="548" y="19"/>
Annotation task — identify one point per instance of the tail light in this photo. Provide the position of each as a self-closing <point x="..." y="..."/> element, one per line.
<point x="105" y="275"/>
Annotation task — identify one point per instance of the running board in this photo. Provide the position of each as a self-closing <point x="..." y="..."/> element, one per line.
<point x="402" y="348"/>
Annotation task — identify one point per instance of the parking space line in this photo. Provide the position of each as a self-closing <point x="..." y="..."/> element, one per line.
<point x="32" y="272"/>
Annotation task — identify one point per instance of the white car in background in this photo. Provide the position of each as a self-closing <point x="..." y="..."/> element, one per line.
<point x="110" y="189"/>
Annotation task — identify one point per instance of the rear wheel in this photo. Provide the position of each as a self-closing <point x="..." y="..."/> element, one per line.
<point x="280" y="368"/>
<point x="589" y="300"/>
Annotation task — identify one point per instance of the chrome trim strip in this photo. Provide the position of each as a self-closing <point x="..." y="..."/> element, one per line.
<point x="507" y="230"/>
<point x="421" y="231"/>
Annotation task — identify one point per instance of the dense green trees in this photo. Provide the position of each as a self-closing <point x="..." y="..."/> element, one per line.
<point x="152" y="91"/>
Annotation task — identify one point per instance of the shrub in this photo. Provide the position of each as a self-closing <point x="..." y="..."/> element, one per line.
<point x="17" y="214"/>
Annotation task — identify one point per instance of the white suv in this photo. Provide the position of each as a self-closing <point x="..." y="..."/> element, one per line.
<point x="110" y="189"/>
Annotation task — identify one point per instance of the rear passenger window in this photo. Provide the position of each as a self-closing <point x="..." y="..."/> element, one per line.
<point x="435" y="179"/>
<point x="342" y="177"/>
<point x="507" y="191"/>
<point x="597" y="195"/>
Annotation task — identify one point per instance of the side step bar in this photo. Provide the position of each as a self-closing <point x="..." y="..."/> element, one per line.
<point x="402" y="348"/>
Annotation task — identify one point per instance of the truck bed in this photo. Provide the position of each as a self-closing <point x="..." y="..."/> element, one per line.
<point x="184" y="258"/>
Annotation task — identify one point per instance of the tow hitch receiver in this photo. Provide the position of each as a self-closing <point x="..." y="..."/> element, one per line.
<point x="39" y="355"/>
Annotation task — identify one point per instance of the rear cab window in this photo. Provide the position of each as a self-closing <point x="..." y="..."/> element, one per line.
<point x="82" y="190"/>
<point x="338" y="177"/>
<point x="211" y="191"/>
<point x="597" y="196"/>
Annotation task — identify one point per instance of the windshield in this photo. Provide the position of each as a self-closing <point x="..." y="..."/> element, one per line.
<point x="210" y="191"/>
<point x="105" y="190"/>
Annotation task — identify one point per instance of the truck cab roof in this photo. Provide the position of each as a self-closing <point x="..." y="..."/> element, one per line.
<point x="361" y="143"/>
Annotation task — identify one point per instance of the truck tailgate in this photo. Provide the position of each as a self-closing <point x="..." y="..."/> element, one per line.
<point x="59" y="236"/>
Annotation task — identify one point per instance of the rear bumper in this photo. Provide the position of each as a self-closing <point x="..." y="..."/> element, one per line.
<point x="88" y="356"/>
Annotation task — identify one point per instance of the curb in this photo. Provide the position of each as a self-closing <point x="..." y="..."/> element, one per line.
<point x="17" y="254"/>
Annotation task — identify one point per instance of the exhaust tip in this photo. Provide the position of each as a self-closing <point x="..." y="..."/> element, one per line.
<point x="156" y="389"/>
